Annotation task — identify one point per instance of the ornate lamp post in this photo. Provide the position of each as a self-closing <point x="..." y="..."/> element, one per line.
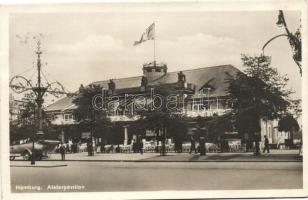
<point x="20" y="84"/>
<point x="294" y="40"/>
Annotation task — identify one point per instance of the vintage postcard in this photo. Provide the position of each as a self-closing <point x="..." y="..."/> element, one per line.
<point x="160" y="100"/>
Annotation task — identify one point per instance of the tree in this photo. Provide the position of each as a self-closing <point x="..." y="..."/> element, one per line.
<point x="213" y="128"/>
<point x="28" y="112"/>
<point x="288" y="124"/>
<point x="21" y="132"/>
<point x="89" y="118"/>
<point x="165" y="122"/>
<point x="26" y="123"/>
<point x="177" y="129"/>
<point x="201" y="132"/>
<point x="217" y="127"/>
<point x="258" y="93"/>
<point x="156" y="121"/>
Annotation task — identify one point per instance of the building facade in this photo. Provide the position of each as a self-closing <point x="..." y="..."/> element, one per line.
<point x="195" y="92"/>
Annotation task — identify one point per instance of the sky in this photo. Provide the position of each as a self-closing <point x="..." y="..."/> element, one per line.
<point x="80" y="48"/>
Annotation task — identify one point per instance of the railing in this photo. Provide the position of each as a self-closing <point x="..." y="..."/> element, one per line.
<point x="210" y="148"/>
<point x="206" y="113"/>
<point x="116" y="118"/>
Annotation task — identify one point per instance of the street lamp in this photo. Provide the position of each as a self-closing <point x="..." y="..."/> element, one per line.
<point x="20" y="84"/>
<point x="294" y="40"/>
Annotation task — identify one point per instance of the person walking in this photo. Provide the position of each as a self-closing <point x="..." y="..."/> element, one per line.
<point x="134" y="146"/>
<point x="192" y="145"/>
<point x="141" y="146"/>
<point x="62" y="151"/>
<point x="266" y="144"/>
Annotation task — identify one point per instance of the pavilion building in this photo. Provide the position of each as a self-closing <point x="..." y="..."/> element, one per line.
<point x="198" y="92"/>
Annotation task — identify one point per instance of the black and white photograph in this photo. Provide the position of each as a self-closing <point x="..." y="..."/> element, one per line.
<point x="154" y="98"/>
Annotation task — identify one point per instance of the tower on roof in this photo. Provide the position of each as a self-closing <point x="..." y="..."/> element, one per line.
<point x="154" y="70"/>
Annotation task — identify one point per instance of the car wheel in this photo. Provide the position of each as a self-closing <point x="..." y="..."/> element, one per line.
<point x="12" y="157"/>
<point x="26" y="155"/>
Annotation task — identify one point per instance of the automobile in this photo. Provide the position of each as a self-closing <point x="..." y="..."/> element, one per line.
<point x="25" y="150"/>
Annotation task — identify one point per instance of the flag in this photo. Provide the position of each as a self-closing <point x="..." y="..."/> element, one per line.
<point x="149" y="34"/>
<point x="141" y="40"/>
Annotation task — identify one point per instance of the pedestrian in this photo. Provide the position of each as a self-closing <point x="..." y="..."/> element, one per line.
<point x="192" y="145"/>
<point x="62" y="151"/>
<point x="118" y="149"/>
<point x="134" y="146"/>
<point x="300" y="149"/>
<point x="141" y="146"/>
<point x="266" y="144"/>
<point x="111" y="149"/>
<point x="68" y="148"/>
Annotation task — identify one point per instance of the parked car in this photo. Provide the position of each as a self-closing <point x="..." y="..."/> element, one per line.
<point x="25" y="150"/>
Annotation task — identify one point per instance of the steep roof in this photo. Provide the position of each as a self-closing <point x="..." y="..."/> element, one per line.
<point x="216" y="77"/>
<point x="61" y="105"/>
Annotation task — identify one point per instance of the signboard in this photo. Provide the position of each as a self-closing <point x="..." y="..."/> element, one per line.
<point x="231" y="133"/>
<point x="40" y="133"/>
<point x="150" y="133"/>
<point x="85" y="135"/>
<point x="191" y="131"/>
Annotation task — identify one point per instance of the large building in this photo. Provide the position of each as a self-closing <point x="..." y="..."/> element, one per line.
<point x="195" y="92"/>
<point x="204" y="90"/>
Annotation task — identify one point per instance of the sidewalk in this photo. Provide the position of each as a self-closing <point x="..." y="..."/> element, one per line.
<point x="274" y="156"/>
<point x="37" y="164"/>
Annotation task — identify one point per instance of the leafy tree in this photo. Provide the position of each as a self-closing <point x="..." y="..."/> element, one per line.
<point x="295" y="108"/>
<point x="21" y="132"/>
<point x="218" y="126"/>
<point x="25" y="126"/>
<point x="89" y="118"/>
<point x="213" y="128"/>
<point x="258" y="93"/>
<point x="138" y="127"/>
<point x="177" y="129"/>
<point x="85" y="110"/>
<point x="288" y="124"/>
<point x="156" y="121"/>
<point x="168" y="122"/>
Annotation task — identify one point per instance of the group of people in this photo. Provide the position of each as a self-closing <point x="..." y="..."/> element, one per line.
<point x="138" y="147"/>
<point x="194" y="149"/>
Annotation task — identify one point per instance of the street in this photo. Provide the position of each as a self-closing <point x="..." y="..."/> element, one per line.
<point x="149" y="176"/>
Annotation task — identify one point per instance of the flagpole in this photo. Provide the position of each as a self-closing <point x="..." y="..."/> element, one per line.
<point x="154" y="44"/>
